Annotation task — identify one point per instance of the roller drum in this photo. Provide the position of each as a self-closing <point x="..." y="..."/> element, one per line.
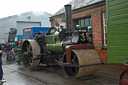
<point x="83" y="57"/>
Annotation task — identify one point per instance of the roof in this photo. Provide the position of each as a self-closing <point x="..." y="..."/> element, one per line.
<point x="37" y="27"/>
<point x="35" y="13"/>
<point x="76" y="4"/>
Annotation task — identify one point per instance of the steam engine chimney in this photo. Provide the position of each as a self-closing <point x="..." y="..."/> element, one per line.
<point x="68" y="16"/>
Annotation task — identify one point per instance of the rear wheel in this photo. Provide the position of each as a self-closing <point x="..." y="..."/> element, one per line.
<point x="30" y="52"/>
<point x="124" y="78"/>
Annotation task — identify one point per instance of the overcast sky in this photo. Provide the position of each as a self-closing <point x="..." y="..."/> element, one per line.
<point x="13" y="7"/>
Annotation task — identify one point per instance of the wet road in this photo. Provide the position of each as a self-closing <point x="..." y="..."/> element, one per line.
<point x="19" y="75"/>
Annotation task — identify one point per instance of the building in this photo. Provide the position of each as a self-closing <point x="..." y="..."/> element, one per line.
<point x="89" y="14"/>
<point x="21" y="21"/>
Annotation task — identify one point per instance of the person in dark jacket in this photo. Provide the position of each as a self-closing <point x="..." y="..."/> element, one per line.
<point x="7" y="48"/>
<point x="1" y="70"/>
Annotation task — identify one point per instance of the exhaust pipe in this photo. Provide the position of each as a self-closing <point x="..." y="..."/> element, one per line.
<point x="68" y="16"/>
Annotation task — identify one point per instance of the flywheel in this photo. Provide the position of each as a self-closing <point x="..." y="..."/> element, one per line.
<point x="30" y="53"/>
<point x="82" y="57"/>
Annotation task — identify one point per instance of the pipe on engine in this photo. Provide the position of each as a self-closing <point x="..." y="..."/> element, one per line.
<point x="68" y="16"/>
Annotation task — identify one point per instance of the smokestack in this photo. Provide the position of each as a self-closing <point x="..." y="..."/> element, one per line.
<point x="68" y="16"/>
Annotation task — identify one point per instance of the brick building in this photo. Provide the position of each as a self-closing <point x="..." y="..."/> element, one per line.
<point x="89" y="14"/>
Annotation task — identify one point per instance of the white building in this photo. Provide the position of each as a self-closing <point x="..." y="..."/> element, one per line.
<point x="21" y="21"/>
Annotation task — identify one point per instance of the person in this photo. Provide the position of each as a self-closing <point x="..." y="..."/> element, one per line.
<point x="19" y="57"/>
<point x="13" y="53"/>
<point x="1" y="70"/>
<point x="7" y="49"/>
<point x="13" y="45"/>
<point x="89" y="38"/>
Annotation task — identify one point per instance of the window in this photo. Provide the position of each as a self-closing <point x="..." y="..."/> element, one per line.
<point x="84" y="22"/>
<point x="105" y="29"/>
<point x="87" y="21"/>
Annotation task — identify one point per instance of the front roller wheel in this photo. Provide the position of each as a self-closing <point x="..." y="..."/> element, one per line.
<point x="30" y="52"/>
<point x="82" y="57"/>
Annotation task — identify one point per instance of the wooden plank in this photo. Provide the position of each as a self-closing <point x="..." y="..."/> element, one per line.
<point x="118" y="38"/>
<point x="119" y="48"/>
<point x="118" y="33"/>
<point x="118" y="27"/>
<point x="117" y="59"/>
<point x="116" y="22"/>
<point x="119" y="53"/>
<point x="118" y="17"/>
<point x="117" y="7"/>
<point x="118" y="43"/>
<point x="116" y="2"/>
<point x="119" y="11"/>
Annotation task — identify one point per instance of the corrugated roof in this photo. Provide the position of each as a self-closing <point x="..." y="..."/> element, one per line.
<point x="78" y="4"/>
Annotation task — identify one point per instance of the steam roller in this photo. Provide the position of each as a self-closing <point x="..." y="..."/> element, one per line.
<point x="83" y="62"/>
<point x="72" y="50"/>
